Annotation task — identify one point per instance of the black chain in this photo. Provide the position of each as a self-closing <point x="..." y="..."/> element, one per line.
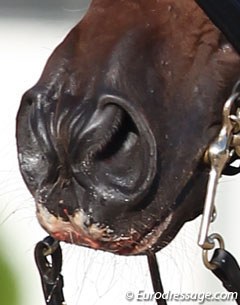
<point x="50" y="272"/>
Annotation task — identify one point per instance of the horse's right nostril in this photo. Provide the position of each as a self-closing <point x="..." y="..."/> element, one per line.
<point x="35" y="94"/>
<point x="28" y="100"/>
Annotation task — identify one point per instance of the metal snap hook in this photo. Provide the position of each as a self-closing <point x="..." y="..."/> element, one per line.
<point x="218" y="156"/>
<point x="213" y="237"/>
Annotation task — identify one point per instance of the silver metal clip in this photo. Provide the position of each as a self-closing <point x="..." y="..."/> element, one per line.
<point x="218" y="155"/>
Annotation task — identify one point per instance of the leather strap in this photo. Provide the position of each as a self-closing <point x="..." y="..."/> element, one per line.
<point x="227" y="270"/>
<point x="155" y="276"/>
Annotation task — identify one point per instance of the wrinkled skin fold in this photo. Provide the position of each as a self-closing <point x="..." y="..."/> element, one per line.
<point x="111" y="138"/>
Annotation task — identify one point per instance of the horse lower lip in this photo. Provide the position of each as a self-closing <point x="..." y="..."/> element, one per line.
<point x="75" y="232"/>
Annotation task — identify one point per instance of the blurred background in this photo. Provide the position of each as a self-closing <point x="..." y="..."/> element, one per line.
<point x="29" y="31"/>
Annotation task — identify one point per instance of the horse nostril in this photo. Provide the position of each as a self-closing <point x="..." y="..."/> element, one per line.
<point x="35" y="94"/>
<point x="29" y="101"/>
<point x="28" y="97"/>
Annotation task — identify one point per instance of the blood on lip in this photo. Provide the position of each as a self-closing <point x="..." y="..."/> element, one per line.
<point x="75" y="232"/>
<point x="120" y="247"/>
<point x="76" y="238"/>
<point x="65" y="211"/>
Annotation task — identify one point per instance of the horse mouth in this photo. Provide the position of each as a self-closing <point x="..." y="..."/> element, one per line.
<point x="77" y="231"/>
